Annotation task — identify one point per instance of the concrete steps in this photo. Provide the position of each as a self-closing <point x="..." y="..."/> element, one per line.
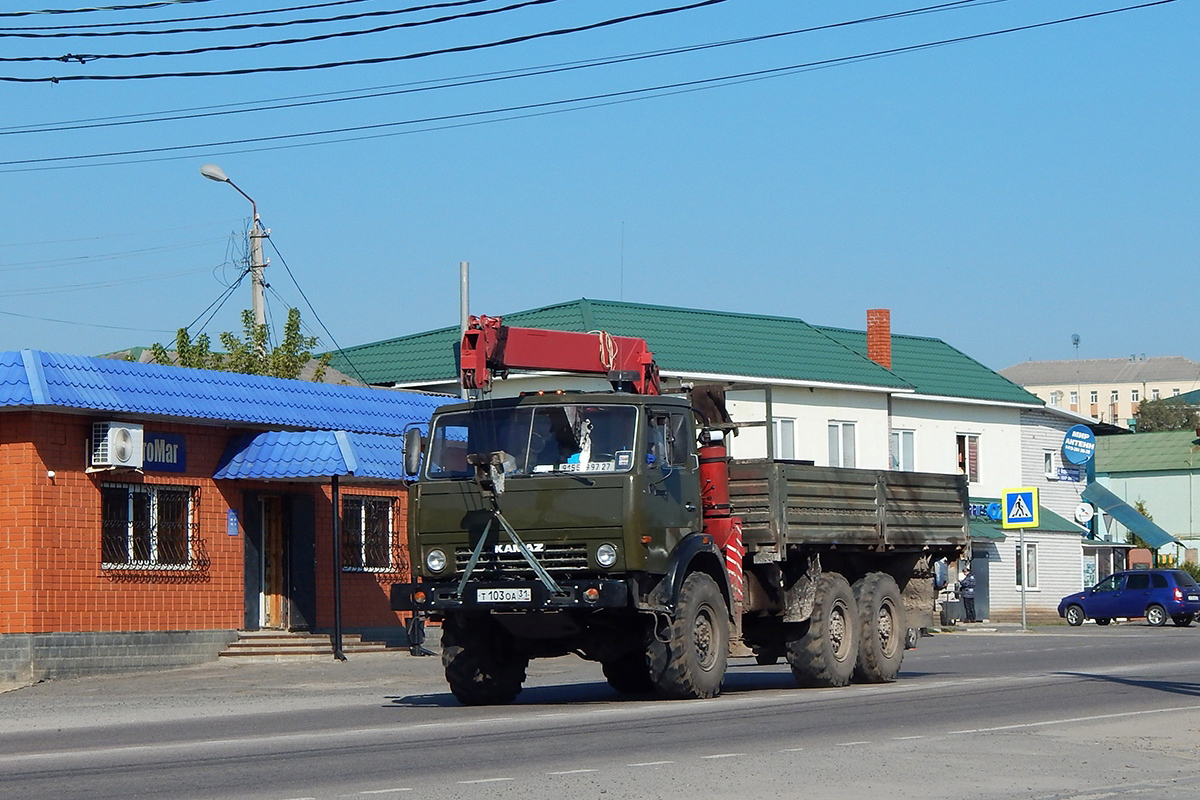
<point x="282" y="644"/>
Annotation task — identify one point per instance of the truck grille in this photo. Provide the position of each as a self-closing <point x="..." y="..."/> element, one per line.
<point x="556" y="558"/>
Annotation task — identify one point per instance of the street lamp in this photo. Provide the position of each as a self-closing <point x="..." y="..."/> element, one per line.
<point x="215" y="173"/>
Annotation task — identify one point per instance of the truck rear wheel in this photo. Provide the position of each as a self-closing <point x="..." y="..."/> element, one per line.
<point x="825" y="654"/>
<point x="481" y="661"/>
<point x="629" y="673"/>
<point x="882" y="633"/>
<point x="691" y="664"/>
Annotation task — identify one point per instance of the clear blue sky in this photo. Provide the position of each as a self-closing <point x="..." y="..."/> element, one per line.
<point x="1000" y="194"/>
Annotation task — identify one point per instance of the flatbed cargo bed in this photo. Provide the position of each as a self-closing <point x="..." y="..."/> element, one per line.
<point x="793" y="503"/>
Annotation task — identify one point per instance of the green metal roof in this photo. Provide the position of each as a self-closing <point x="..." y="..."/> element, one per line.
<point x="1048" y="521"/>
<point x="682" y="340"/>
<point x="1147" y="452"/>
<point x="935" y="368"/>
<point x="713" y="342"/>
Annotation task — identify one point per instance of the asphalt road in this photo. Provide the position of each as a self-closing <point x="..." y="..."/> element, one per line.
<point x="1085" y="713"/>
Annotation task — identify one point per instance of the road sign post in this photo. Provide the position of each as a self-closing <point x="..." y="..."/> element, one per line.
<point x="1020" y="511"/>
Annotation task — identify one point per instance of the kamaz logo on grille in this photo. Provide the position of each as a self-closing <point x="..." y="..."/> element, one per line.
<point x="534" y="547"/>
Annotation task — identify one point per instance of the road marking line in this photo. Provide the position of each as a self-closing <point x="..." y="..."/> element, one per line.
<point x="488" y="780"/>
<point x="905" y="738"/>
<point x="724" y="755"/>
<point x="572" y="772"/>
<point x="388" y="791"/>
<point x="649" y="763"/>
<point x="791" y="750"/>
<point x="850" y="744"/>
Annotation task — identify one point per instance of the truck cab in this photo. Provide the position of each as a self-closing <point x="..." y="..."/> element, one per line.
<point x="601" y="486"/>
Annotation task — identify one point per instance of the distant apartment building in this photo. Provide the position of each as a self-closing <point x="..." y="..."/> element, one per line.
<point x="1106" y="389"/>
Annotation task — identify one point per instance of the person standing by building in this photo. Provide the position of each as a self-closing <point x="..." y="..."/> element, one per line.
<point x="966" y="590"/>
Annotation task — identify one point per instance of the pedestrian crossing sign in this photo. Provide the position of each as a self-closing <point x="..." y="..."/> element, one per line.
<point x="1020" y="508"/>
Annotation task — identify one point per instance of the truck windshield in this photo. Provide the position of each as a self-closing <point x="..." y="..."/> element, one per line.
<point x="535" y="440"/>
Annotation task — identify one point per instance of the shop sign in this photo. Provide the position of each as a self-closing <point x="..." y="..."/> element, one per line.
<point x="984" y="511"/>
<point x="1070" y="474"/>
<point x="1079" y="444"/>
<point x="164" y="452"/>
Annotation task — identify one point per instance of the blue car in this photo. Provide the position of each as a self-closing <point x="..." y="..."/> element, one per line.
<point x="1156" y="594"/>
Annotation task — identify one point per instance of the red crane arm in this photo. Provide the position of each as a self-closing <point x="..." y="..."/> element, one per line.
<point x="490" y="348"/>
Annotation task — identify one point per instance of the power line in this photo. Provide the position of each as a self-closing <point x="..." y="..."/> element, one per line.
<point x="138" y="7"/>
<point x="77" y="260"/>
<point x="82" y="324"/>
<point x="58" y="31"/>
<point x="607" y="98"/>
<point x="461" y="81"/>
<point x="380" y="59"/>
<point x="308" y="303"/>
<point x="100" y="284"/>
<point x="83" y="58"/>
<point x="231" y="15"/>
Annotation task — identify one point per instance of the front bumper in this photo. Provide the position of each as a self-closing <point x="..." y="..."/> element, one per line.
<point x="585" y="594"/>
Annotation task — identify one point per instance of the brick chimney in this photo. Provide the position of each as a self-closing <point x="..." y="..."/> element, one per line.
<point x="879" y="336"/>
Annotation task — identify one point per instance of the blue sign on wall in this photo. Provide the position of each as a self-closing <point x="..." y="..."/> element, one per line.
<point x="164" y="452"/>
<point x="1079" y="445"/>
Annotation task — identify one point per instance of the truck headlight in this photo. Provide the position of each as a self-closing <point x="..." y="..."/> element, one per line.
<point x="606" y="555"/>
<point x="436" y="560"/>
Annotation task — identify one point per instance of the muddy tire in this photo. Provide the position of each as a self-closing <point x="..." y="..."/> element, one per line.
<point x="691" y="663"/>
<point x="882" y="631"/>
<point x="481" y="661"/>
<point x="825" y="654"/>
<point x="629" y="673"/>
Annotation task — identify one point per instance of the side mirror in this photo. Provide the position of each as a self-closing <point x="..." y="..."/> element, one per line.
<point x="414" y="446"/>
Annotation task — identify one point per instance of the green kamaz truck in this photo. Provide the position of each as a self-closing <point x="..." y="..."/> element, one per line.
<point x="614" y="526"/>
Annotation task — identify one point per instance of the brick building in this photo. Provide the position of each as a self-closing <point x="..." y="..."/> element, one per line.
<point x="148" y="513"/>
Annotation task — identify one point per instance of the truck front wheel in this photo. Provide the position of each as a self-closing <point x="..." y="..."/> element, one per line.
<point x="825" y="654"/>
<point x="691" y="663"/>
<point x="881" y="643"/>
<point x="481" y="661"/>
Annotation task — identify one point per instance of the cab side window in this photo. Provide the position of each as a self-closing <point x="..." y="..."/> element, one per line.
<point x="1138" y="582"/>
<point x="667" y="438"/>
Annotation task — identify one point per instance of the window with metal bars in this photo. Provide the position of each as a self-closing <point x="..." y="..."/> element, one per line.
<point x="367" y="533"/>
<point x="146" y="526"/>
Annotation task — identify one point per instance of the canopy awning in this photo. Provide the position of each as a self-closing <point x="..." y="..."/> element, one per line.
<point x="301" y="455"/>
<point x="1128" y="516"/>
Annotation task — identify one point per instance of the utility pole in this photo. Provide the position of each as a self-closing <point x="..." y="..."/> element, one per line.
<point x="257" y="234"/>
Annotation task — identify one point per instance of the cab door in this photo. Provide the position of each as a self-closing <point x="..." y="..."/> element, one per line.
<point x="1105" y="598"/>
<point x="672" y="469"/>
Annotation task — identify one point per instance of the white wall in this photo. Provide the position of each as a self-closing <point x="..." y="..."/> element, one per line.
<point x="1043" y="431"/>
<point x="812" y="410"/>
<point x="937" y="424"/>
<point x="1058" y="574"/>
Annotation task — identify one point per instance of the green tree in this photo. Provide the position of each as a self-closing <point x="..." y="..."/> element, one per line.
<point x="251" y="354"/>
<point x="1167" y="414"/>
<point x="196" y="354"/>
<point x="1140" y="507"/>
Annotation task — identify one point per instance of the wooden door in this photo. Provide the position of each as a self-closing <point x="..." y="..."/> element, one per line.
<point x="274" y="578"/>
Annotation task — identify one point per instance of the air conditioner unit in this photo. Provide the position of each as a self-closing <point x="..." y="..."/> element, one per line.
<point x="116" y="444"/>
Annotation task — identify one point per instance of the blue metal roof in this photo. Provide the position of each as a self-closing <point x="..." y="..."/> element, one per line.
<point x="32" y="378"/>
<point x="292" y="455"/>
<point x="1127" y="515"/>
